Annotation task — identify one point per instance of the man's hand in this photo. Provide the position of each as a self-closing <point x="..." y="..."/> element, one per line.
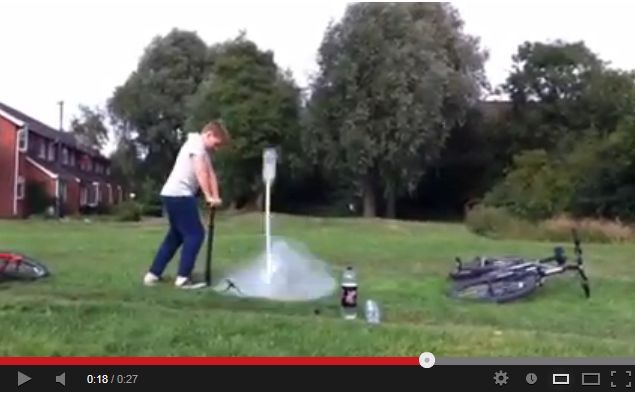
<point x="213" y="202"/>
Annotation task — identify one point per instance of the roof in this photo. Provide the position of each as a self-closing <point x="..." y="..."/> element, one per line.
<point x="12" y="119"/>
<point x="70" y="173"/>
<point x="47" y="131"/>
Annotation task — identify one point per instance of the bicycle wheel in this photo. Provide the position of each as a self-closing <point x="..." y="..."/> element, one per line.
<point x="499" y="290"/>
<point x="21" y="267"/>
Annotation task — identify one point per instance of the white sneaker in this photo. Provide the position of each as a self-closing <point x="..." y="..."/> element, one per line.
<point x="187" y="283"/>
<point x="150" y="279"/>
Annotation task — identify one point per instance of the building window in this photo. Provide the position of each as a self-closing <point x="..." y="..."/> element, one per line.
<point x="65" y="156"/>
<point x="42" y="152"/>
<point x="72" y="157"/>
<point x="86" y="164"/>
<point x="108" y="170"/>
<point x="51" y="152"/>
<point x="20" y="189"/>
<point x="23" y="139"/>
<point x="110" y="198"/>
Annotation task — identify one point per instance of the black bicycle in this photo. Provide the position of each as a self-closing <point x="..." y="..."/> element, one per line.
<point x="510" y="278"/>
<point x="480" y="265"/>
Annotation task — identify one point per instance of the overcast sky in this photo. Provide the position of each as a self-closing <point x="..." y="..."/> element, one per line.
<point x="80" y="50"/>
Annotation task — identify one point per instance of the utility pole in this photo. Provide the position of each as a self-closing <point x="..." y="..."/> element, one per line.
<point x="58" y="158"/>
<point x="61" y="104"/>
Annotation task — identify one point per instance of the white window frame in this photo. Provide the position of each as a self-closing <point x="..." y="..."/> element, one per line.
<point x="110" y="197"/>
<point x="42" y="150"/>
<point x="97" y="194"/>
<point x="23" y="139"/>
<point x="20" y="188"/>
<point x="51" y="151"/>
<point x="83" y="196"/>
<point x="65" y="155"/>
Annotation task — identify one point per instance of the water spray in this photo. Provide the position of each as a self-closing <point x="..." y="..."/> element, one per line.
<point x="286" y="270"/>
<point x="269" y="158"/>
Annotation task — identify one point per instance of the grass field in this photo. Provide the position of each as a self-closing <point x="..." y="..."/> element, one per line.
<point x="95" y="305"/>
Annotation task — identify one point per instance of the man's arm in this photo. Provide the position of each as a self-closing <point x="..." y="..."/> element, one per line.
<point x="213" y="180"/>
<point x="201" y="168"/>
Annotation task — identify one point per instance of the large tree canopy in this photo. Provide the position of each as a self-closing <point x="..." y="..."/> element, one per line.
<point x="561" y="89"/>
<point x="572" y="119"/>
<point x="260" y="106"/>
<point x="90" y="127"/>
<point x="150" y="107"/>
<point x="394" y="79"/>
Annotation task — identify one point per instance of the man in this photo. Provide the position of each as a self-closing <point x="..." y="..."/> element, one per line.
<point x="192" y="171"/>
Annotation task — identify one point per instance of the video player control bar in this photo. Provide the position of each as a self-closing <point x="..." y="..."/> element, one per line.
<point x="376" y="378"/>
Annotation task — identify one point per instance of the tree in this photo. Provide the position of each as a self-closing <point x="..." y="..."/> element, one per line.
<point x="260" y="105"/>
<point x="576" y="111"/>
<point x="89" y="127"/>
<point x="125" y="164"/>
<point x="562" y="89"/>
<point x="394" y="78"/>
<point x="150" y="107"/>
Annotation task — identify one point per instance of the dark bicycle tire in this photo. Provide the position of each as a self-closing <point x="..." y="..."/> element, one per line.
<point x="499" y="290"/>
<point x="27" y="269"/>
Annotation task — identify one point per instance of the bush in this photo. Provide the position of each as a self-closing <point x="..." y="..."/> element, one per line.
<point x="499" y="223"/>
<point x="152" y="210"/>
<point x="595" y="230"/>
<point x="103" y="209"/>
<point x="537" y="187"/>
<point x="37" y="198"/>
<point x="128" y="211"/>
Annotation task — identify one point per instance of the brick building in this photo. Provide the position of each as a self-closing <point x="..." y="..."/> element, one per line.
<point x="32" y="153"/>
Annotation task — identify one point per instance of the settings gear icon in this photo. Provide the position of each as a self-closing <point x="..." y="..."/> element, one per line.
<point x="500" y="378"/>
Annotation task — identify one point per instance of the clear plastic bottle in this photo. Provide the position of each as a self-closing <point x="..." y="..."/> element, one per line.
<point x="349" y="294"/>
<point x="373" y="314"/>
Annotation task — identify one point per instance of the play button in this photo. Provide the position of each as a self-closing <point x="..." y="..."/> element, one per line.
<point x="23" y="378"/>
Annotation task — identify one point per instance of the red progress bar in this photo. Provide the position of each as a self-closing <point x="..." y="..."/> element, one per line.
<point x="210" y="361"/>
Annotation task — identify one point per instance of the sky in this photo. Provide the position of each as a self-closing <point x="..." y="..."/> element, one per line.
<point x="79" y="51"/>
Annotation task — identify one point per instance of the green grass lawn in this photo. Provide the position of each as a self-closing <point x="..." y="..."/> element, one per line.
<point x="95" y="305"/>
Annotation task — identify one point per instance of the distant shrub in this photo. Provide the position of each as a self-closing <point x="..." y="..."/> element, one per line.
<point x="536" y="187"/>
<point x="103" y="209"/>
<point x="128" y="211"/>
<point x="152" y="210"/>
<point x="596" y="230"/>
<point x="37" y="198"/>
<point x="499" y="223"/>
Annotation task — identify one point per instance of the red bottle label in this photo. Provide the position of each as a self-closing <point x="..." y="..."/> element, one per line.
<point x="349" y="297"/>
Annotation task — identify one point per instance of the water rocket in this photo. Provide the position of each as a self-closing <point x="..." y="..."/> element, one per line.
<point x="269" y="159"/>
